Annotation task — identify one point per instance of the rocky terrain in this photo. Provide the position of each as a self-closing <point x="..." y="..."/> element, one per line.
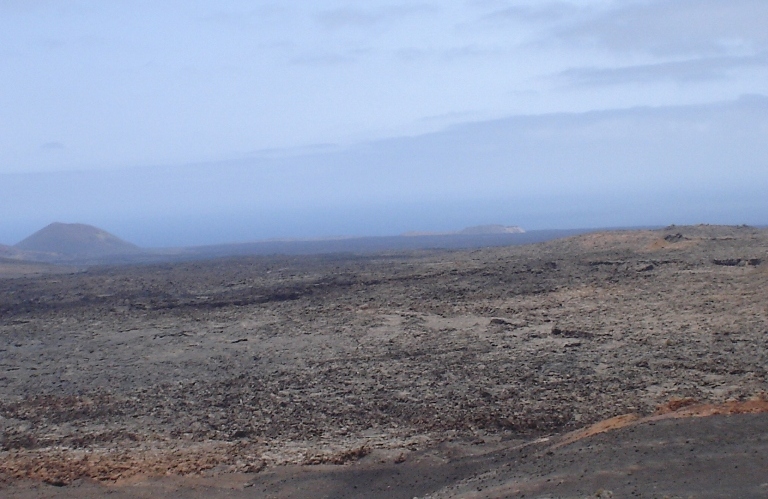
<point x="444" y="366"/>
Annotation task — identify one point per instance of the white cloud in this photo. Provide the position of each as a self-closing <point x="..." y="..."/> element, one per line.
<point x="175" y="82"/>
<point x="675" y="27"/>
<point x="540" y="12"/>
<point x="685" y="71"/>
<point x="352" y="17"/>
<point x="247" y="18"/>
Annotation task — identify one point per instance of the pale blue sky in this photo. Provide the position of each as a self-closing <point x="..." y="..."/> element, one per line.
<point x="261" y="97"/>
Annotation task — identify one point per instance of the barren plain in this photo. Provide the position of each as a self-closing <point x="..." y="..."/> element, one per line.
<point x="573" y="368"/>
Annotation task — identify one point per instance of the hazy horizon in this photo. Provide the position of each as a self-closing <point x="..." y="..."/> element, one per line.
<point x="176" y="124"/>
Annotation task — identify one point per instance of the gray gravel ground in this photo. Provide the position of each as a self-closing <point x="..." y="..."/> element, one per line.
<point x="231" y="367"/>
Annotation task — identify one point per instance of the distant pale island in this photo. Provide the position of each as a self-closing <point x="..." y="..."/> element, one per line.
<point x="476" y="230"/>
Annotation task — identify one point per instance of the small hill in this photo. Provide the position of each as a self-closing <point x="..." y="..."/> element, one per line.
<point x="76" y="241"/>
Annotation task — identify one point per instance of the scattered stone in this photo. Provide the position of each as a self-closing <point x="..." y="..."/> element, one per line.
<point x="673" y="238"/>
<point x="727" y="262"/>
<point x="234" y="364"/>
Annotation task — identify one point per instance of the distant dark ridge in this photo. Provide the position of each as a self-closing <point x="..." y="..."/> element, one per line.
<point x="76" y="240"/>
<point x="373" y="244"/>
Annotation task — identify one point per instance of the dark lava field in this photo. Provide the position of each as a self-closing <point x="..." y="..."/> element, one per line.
<point x="473" y="373"/>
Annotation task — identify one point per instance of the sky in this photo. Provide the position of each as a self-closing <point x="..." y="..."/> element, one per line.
<point x="181" y="123"/>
